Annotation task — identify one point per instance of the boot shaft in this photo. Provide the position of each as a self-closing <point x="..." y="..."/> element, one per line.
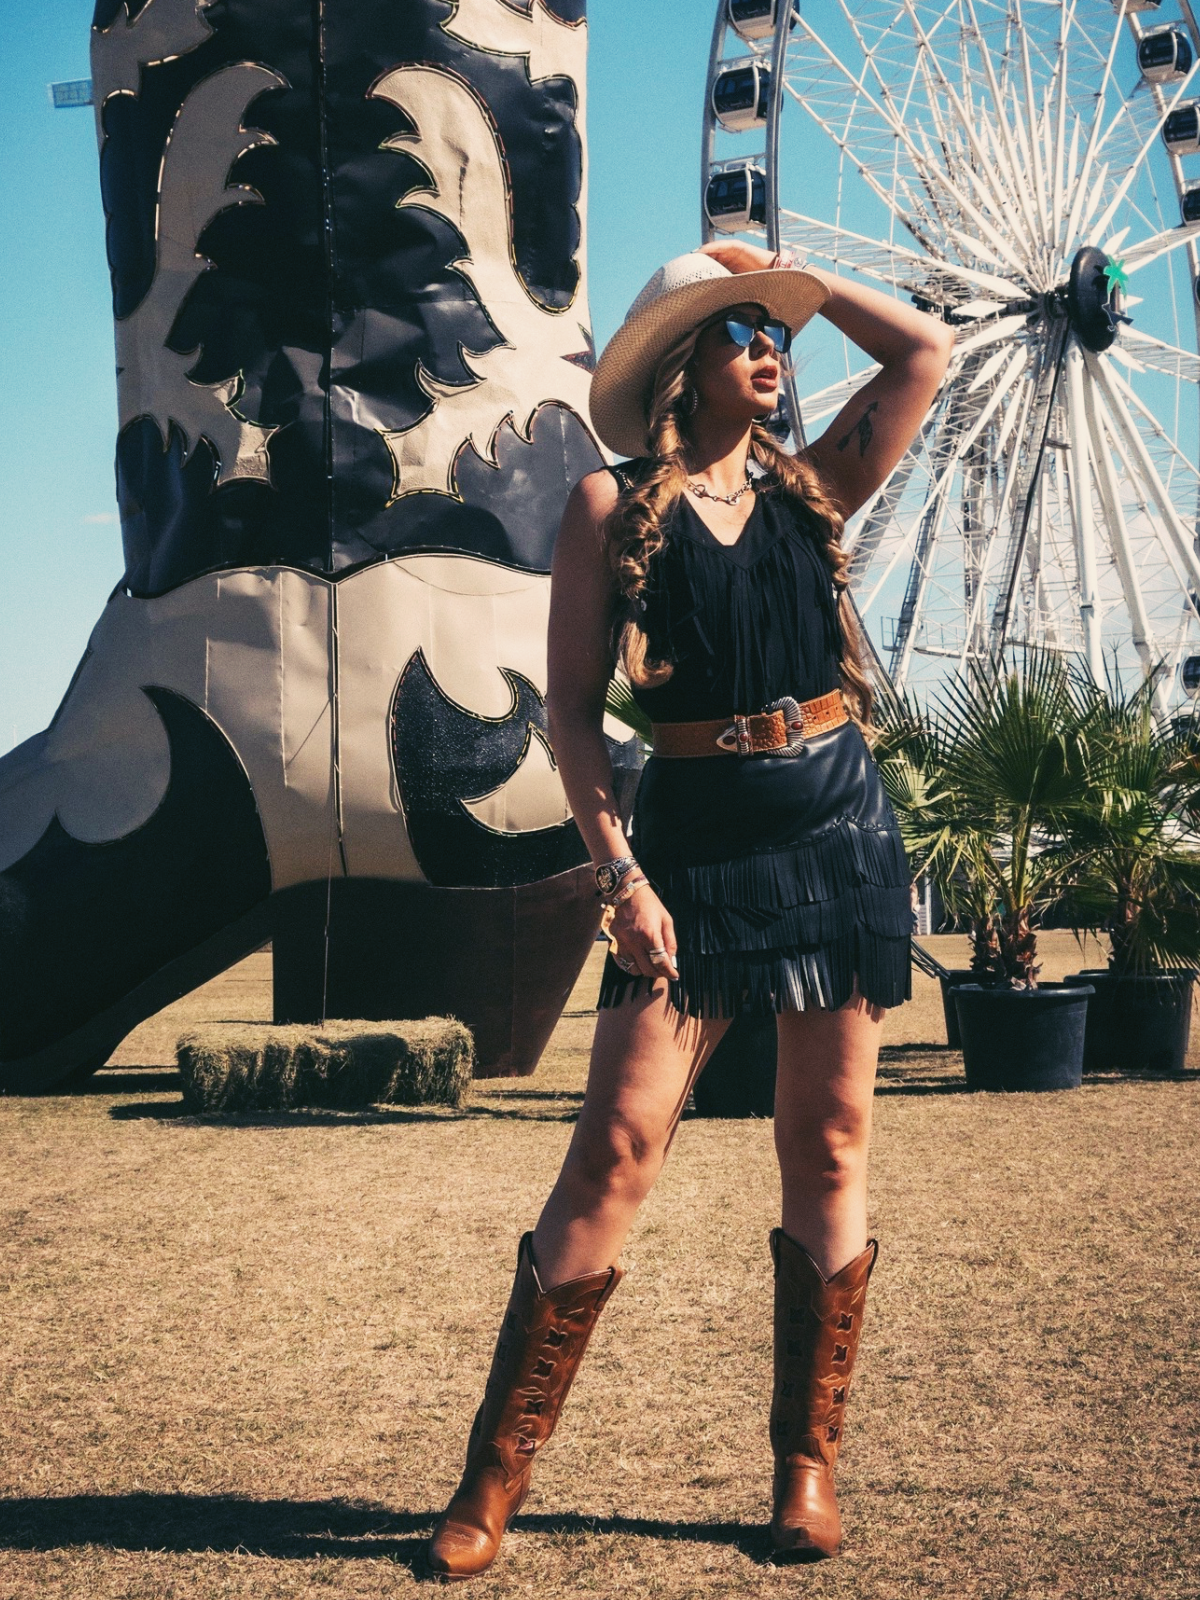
<point x="541" y="1343"/>
<point x="345" y="242"/>
<point x="817" y="1327"/>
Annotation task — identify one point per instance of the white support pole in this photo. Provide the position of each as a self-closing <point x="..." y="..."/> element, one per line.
<point x="1081" y="506"/>
<point x="922" y="570"/>
<point x="708" y="136"/>
<point x="1126" y="432"/>
<point x="1114" y="515"/>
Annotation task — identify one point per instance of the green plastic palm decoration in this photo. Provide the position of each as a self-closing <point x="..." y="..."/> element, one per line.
<point x="620" y="703"/>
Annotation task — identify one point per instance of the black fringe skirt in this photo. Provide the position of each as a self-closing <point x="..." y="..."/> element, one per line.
<point x="785" y="877"/>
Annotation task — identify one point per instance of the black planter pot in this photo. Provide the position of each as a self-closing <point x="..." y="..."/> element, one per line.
<point x="1022" y="1039"/>
<point x="738" y="1079"/>
<point x="954" y="979"/>
<point x="1136" y="1023"/>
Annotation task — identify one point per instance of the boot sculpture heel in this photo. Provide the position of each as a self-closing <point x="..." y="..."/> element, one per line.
<point x="538" y="1351"/>
<point x="817" y="1325"/>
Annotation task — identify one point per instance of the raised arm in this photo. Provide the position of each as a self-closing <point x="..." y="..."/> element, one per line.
<point x="872" y="431"/>
<point x="583" y="598"/>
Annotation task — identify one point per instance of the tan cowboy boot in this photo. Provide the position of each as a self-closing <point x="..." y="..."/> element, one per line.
<point x="817" y="1326"/>
<point x="540" y="1346"/>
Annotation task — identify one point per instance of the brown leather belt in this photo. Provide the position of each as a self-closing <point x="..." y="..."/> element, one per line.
<point x="784" y="725"/>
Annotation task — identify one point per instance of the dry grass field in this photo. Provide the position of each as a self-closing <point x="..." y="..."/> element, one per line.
<point x="240" y="1355"/>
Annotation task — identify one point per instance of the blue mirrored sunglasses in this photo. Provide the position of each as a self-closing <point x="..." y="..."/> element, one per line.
<point x="742" y="332"/>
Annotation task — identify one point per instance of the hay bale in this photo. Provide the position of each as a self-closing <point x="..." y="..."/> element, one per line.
<point x="258" y="1066"/>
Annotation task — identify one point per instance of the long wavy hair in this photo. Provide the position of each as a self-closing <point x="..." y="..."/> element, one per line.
<point x="634" y="531"/>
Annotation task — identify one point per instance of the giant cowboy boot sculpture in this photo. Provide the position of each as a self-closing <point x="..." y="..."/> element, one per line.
<point x="353" y="363"/>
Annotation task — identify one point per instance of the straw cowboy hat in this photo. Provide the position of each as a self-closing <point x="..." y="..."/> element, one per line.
<point x="681" y="295"/>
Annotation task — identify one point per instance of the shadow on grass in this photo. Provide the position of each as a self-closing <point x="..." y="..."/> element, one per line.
<point x="129" y="1080"/>
<point x="299" y="1529"/>
<point x="921" y="1068"/>
<point x="530" y="1105"/>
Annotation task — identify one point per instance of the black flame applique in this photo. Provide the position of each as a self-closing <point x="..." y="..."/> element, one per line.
<point x="444" y="754"/>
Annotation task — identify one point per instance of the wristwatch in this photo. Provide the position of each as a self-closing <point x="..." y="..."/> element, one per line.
<point x="609" y="875"/>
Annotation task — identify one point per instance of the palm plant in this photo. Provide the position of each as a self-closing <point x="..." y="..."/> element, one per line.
<point x="1134" y="833"/>
<point x="938" y="839"/>
<point x="986" y="782"/>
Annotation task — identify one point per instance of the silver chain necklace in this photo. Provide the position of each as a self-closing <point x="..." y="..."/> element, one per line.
<point x="725" y="499"/>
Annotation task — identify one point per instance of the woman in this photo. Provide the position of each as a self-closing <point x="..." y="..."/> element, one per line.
<point x="769" y="872"/>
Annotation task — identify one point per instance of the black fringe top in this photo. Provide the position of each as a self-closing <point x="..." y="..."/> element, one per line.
<point x="786" y="879"/>
<point x="745" y="623"/>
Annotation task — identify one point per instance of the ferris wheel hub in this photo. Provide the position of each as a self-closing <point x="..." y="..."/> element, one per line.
<point x="1093" y="297"/>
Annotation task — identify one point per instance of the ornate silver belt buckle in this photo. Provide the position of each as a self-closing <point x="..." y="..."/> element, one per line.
<point x="794" y="723"/>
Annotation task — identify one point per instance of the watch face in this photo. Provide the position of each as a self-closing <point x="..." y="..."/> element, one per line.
<point x="610" y="875"/>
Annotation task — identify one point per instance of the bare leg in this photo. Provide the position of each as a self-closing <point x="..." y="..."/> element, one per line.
<point x="823" y="1102"/>
<point x="645" y="1058"/>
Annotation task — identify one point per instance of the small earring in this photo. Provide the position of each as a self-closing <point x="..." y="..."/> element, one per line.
<point x="690" y="400"/>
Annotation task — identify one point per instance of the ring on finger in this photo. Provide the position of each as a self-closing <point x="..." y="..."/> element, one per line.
<point x="626" y="963"/>
<point x="659" y="955"/>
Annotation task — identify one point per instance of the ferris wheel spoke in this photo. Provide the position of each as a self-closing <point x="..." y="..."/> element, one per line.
<point x="929" y="172"/>
<point x="940" y="82"/>
<point x="929" y="519"/>
<point x="1118" y="531"/>
<point x="885" y="504"/>
<point x="880" y="191"/>
<point x="1015" y="421"/>
<point x="884" y="261"/>
<point x="1071" y="231"/>
<point x="878" y="515"/>
<point x="1153" y="433"/>
<point x="1160" y="244"/>
<point x="1132" y="449"/>
<point x="1005" y="132"/>
<point x="968" y="418"/>
<point x="1081" y="511"/>
<point x="1060" y="139"/>
<point x="992" y="233"/>
<point x="1152" y="352"/>
<point x="1031" y="159"/>
<point x="993" y="364"/>
<point x="1027" y="463"/>
<point x="1004" y="328"/>
<point x="1069" y="187"/>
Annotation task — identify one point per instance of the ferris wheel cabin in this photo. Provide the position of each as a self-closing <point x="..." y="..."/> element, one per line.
<point x="736" y="197"/>
<point x="1189" y="205"/>
<point x="1165" y="54"/>
<point x="741" y="93"/>
<point x="758" y="19"/>
<point x="1181" y="130"/>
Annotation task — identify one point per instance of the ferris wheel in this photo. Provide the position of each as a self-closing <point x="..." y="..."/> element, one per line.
<point x="1019" y="168"/>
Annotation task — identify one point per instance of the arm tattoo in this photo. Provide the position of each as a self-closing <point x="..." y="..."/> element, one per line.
<point x="863" y="429"/>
